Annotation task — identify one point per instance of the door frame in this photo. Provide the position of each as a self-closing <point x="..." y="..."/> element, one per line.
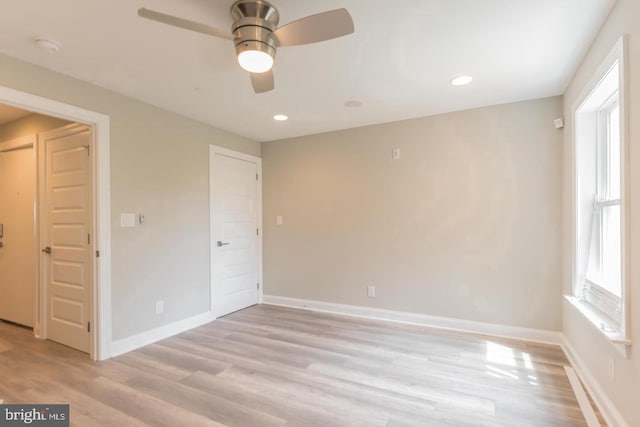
<point x="213" y="150"/>
<point x="101" y="333"/>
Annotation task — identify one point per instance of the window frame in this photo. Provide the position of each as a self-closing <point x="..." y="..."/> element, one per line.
<point x="602" y="309"/>
<point x="603" y="198"/>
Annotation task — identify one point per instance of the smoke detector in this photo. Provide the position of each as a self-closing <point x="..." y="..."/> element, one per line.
<point x="51" y="46"/>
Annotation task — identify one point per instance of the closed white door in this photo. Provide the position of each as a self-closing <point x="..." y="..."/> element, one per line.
<point x="67" y="230"/>
<point x="234" y="231"/>
<point x="17" y="244"/>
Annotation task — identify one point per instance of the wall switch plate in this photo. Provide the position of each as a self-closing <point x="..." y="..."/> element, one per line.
<point x="371" y="291"/>
<point x="395" y="153"/>
<point x="159" y="307"/>
<point x="279" y="220"/>
<point x="127" y="220"/>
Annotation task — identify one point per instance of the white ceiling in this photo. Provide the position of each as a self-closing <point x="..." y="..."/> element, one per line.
<point x="398" y="62"/>
<point x="9" y="114"/>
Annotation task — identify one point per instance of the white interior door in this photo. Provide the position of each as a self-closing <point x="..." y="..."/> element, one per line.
<point x="235" y="208"/>
<point x="17" y="241"/>
<point x="66" y="234"/>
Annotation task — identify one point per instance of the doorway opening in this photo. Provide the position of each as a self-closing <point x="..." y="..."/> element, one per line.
<point x="62" y="244"/>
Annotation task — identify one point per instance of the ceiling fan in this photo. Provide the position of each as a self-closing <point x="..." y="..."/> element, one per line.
<point x="256" y="35"/>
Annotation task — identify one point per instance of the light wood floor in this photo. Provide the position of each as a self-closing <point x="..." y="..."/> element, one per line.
<point x="270" y="366"/>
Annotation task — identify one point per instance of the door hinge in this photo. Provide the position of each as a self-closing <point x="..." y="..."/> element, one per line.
<point x="88" y="147"/>
<point x="256" y="177"/>
<point x="88" y="239"/>
<point x="97" y="254"/>
<point x="257" y="232"/>
<point x="88" y="326"/>
<point x="258" y="285"/>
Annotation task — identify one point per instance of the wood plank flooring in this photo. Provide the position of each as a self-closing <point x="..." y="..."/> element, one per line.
<point x="274" y="366"/>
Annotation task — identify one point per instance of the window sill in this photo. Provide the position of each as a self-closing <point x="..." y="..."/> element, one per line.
<point x="602" y="324"/>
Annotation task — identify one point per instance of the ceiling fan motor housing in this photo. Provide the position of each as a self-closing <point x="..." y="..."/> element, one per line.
<point x="254" y="22"/>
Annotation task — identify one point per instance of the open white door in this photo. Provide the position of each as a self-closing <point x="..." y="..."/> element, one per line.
<point x="67" y="234"/>
<point x="17" y="231"/>
<point x="235" y="219"/>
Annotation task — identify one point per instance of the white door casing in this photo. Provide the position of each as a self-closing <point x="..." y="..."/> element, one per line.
<point x="18" y="271"/>
<point x="66" y="234"/>
<point x="101" y="333"/>
<point x="236" y="244"/>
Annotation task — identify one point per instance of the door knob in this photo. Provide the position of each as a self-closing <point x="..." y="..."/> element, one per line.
<point x="220" y="243"/>
<point x="47" y="250"/>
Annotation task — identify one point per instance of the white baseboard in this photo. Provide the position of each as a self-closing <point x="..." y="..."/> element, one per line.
<point x="583" y="399"/>
<point x="133" y="342"/>
<point x="608" y="410"/>
<point x="527" y="334"/>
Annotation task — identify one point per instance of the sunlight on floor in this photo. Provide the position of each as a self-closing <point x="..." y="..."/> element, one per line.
<point x="500" y="354"/>
<point x="503" y="355"/>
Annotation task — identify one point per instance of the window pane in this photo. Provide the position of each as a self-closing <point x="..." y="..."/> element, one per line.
<point x="594" y="267"/>
<point x="611" y="244"/>
<point x="613" y="178"/>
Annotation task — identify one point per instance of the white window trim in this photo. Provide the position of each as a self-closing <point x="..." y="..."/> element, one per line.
<point x="621" y="339"/>
<point x="605" y="300"/>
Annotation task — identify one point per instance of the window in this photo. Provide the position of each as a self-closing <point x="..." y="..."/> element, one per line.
<point x="599" y="147"/>
<point x="603" y="281"/>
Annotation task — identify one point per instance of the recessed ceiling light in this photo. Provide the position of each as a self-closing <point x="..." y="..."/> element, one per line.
<point x="50" y="46"/>
<point x="280" y="117"/>
<point x="461" y="80"/>
<point x="353" y="103"/>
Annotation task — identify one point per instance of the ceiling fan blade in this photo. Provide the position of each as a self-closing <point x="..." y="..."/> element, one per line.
<point x="262" y="82"/>
<point x="183" y="23"/>
<point x="316" y="28"/>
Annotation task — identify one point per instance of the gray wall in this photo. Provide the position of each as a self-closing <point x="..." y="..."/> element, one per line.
<point x="592" y="347"/>
<point x="159" y="167"/>
<point x="466" y="224"/>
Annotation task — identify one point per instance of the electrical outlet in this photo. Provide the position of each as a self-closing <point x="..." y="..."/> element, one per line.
<point x="612" y="368"/>
<point x="371" y="291"/>
<point x="159" y="307"/>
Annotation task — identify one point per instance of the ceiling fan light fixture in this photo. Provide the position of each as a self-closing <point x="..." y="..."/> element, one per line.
<point x="256" y="34"/>
<point x="255" y="56"/>
<point x="255" y="61"/>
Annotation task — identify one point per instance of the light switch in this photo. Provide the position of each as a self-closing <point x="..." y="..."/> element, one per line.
<point x="395" y="153"/>
<point x="371" y="291"/>
<point x="279" y="220"/>
<point x="127" y="220"/>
